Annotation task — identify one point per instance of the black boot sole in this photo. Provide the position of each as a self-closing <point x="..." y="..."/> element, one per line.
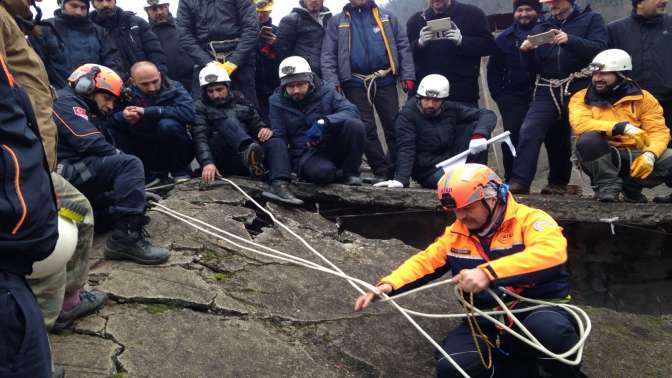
<point x="275" y="198"/>
<point x="255" y="162"/>
<point x="117" y="255"/>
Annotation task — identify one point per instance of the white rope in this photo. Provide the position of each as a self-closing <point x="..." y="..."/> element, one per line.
<point x="579" y="315"/>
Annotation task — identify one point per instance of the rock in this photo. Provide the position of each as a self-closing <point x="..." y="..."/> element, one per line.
<point x="85" y="356"/>
<point x="217" y="310"/>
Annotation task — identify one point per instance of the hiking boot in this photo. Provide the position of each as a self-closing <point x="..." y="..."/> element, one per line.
<point x="279" y="192"/>
<point x="90" y="302"/>
<point x="608" y="195"/>
<point x="634" y="197"/>
<point x="253" y="157"/>
<point x="128" y="242"/>
<point x="554" y="190"/>
<point x="663" y="199"/>
<point x="353" y="181"/>
<point x="518" y="188"/>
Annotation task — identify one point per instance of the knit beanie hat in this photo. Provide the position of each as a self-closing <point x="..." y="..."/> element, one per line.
<point x="534" y="4"/>
<point x="86" y="2"/>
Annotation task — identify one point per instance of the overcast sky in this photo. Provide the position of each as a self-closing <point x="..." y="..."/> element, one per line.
<point x="282" y="7"/>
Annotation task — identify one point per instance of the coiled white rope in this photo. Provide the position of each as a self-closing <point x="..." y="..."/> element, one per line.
<point x="582" y="320"/>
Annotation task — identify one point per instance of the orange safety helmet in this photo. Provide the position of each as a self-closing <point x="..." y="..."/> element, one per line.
<point x="468" y="184"/>
<point x="90" y="78"/>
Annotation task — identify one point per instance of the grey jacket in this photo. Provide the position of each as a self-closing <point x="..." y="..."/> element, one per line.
<point x="336" y="67"/>
<point x="202" y="21"/>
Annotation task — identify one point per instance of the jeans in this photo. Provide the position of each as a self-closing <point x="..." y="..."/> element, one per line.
<point x="513" y="110"/>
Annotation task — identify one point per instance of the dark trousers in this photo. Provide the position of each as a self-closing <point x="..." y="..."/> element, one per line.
<point x="342" y="149"/>
<point x="543" y="124"/>
<point x="164" y="146"/>
<point x="232" y="137"/>
<point x="432" y="181"/>
<point x="386" y="102"/>
<point x="115" y="186"/>
<point x="513" y="110"/>
<point x="24" y="347"/>
<point x="552" y="327"/>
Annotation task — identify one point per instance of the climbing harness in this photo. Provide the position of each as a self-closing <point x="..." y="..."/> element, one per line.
<point x="471" y="311"/>
<point x="563" y="84"/>
<point x="370" y="82"/>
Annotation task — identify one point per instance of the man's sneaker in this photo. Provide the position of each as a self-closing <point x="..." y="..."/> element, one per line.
<point x="518" y="188"/>
<point x="663" y="199"/>
<point x="181" y="176"/>
<point x="90" y="302"/>
<point x="279" y="192"/>
<point x="253" y="157"/>
<point x="128" y="242"/>
<point x="634" y="197"/>
<point x="353" y="181"/>
<point x="554" y="190"/>
<point x="608" y="195"/>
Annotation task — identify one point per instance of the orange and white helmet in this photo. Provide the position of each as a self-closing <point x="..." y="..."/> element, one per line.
<point x="468" y="184"/>
<point x="89" y="78"/>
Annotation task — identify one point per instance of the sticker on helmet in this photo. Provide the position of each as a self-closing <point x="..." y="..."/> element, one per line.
<point x="288" y="70"/>
<point x="210" y="78"/>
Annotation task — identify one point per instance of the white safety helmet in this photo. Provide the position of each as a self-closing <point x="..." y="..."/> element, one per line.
<point x="434" y="86"/>
<point x="65" y="248"/>
<point x="612" y="60"/>
<point x="294" y="69"/>
<point x="213" y="73"/>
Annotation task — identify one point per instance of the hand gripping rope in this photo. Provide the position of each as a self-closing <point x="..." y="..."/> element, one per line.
<point x="582" y="319"/>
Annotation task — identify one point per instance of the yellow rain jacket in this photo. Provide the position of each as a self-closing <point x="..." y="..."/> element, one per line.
<point x="527" y="252"/>
<point x="639" y="108"/>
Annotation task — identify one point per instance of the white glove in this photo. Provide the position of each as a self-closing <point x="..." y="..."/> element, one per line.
<point x="478" y="145"/>
<point x="389" y="184"/>
<point x="426" y="35"/>
<point x="631" y="129"/>
<point x="454" y="35"/>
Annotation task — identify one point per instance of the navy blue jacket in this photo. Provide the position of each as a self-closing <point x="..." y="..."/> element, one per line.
<point x="78" y="134"/>
<point x="423" y="142"/>
<point x="507" y="73"/>
<point x="28" y="221"/>
<point x="291" y="120"/>
<point x="68" y="42"/>
<point x="587" y="37"/>
<point x="173" y="102"/>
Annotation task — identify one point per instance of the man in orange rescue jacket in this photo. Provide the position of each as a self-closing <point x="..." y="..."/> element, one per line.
<point x="494" y="242"/>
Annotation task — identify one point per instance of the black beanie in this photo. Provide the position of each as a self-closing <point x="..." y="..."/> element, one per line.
<point x="534" y="4"/>
<point x="87" y="2"/>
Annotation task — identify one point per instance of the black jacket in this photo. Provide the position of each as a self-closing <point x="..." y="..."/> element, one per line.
<point x="79" y="135"/>
<point x="208" y="114"/>
<point x="587" y="37"/>
<point x="460" y="64"/>
<point x="28" y="221"/>
<point x="301" y="35"/>
<point x="67" y="42"/>
<point x="180" y="65"/>
<point x="423" y="142"/>
<point x="202" y="21"/>
<point x="649" y="43"/>
<point x="134" y="38"/>
<point x="268" y="61"/>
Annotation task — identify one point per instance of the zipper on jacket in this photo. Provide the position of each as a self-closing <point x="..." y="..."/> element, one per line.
<point x="17" y="188"/>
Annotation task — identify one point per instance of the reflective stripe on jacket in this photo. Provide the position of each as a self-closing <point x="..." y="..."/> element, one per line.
<point x="528" y="251"/>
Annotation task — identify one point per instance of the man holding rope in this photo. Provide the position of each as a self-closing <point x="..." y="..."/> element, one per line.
<point x="494" y="242"/>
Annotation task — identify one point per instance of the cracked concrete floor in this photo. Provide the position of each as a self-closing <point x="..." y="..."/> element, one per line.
<point x="216" y="311"/>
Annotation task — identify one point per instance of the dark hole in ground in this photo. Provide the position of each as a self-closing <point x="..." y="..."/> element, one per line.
<point x="629" y="271"/>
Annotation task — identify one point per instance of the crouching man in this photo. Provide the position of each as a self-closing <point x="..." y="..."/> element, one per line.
<point x="325" y="134"/>
<point x="623" y="139"/>
<point x="114" y="182"/>
<point x="431" y="129"/>
<point x="494" y="242"/>
<point x="231" y="138"/>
